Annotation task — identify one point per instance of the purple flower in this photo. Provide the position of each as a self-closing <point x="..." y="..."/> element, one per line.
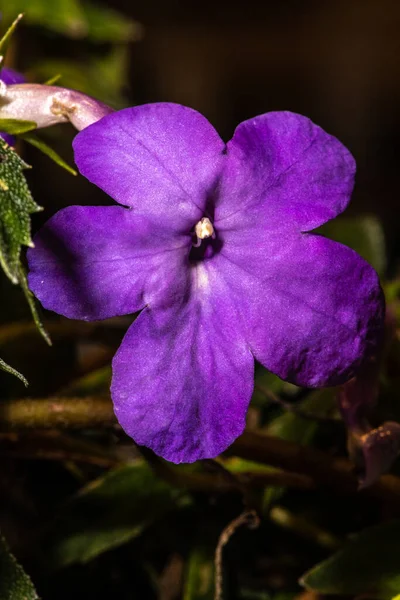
<point x="210" y="242"/>
<point x="9" y="76"/>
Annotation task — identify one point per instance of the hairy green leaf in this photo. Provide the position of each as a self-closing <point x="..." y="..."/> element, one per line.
<point x="109" y="512"/>
<point x="5" y="367"/>
<point x="368" y="564"/>
<point x="16" y="206"/>
<point x="14" y="582"/>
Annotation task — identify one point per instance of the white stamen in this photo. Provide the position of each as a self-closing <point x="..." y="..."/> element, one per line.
<point x="203" y="230"/>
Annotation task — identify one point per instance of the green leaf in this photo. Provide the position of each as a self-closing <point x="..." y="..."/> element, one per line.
<point x="14" y="582"/>
<point x="109" y="512"/>
<point x="102" y="77"/>
<point x="5" y="367"/>
<point x="108" y="25"/>
<point x="16" y="126"/>
<point x="16" y="206"/>
<point x="199" y="580"/>
<point x="46" y="149"/>
<point x="7" y="36"/>
<point x="53" y="80"/>
<point x="30" y="298"/>
<point x="364" y="234"/>
<point x="368" y="564"/>
<point x="66" y="18"/>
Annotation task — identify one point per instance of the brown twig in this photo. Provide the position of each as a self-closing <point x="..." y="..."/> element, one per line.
<point x="249" y="518"/>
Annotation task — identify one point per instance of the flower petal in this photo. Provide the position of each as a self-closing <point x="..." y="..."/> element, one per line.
<point x="312" y="308"/>
<point x="9" y="76"/>
<point x="161" y="159"/>
<point x="288" y="170"/>
<point x="182" y="381"/>
<point x="92" y="262"/>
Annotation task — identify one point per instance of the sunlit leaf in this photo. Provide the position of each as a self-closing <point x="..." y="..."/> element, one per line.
<point x="14" y="582"/>
<point x="16" y="206"/>
<point x="66" y="17"/>
<point x="109" y="512"/>
<point x="368" y="564"/>
<point x="5" y="367"/>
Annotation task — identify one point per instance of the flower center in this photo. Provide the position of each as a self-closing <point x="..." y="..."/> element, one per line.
<point x="203" y="229"/>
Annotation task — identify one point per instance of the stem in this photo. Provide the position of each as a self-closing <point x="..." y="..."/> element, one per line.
<point x="49" y="413"/>
<point x="322" y="469"/>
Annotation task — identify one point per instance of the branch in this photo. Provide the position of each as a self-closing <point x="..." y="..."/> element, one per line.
<point x="53" y="413"/>
<point x="324" y="470"/>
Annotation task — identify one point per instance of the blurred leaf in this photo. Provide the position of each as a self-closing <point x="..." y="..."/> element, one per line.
<point x="368" y="564"/>
<point x="5" y="367"/>
<point x="16" y="205"/>
<point x="108" y="25"/>
<point x="53" y="79"/>
<point x="293" y="428"/>
<point x="14" y="582"/>
<point x="30" y="298"/>
<point x="199" y="581"/>
<point x="109" y="512"/>
<point x="46" y="149"/>
<point x="246" y="594"/>
<point x="66" y="17"/>
<point x="271" y="383"/>
<point x="364" y="234"/>
<point x="7" y="36"/>
<point x="102" y="77"/>
<point x="95" y="382"/>
<point x="16" y="126"/>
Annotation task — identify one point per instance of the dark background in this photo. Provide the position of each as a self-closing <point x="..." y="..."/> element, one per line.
<point x="337" y="62"/>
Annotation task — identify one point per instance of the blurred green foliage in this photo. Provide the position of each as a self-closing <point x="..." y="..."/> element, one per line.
<point x="110" y="511"/>
<point x="368" y="564"/>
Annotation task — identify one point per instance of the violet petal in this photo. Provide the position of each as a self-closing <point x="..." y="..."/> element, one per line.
<point x="311" y="308"/>
<point x="183" y="379"/>
<point x="298" y="174"/>
<point x="161" y="159"/>
<point x="92" y="262"/>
